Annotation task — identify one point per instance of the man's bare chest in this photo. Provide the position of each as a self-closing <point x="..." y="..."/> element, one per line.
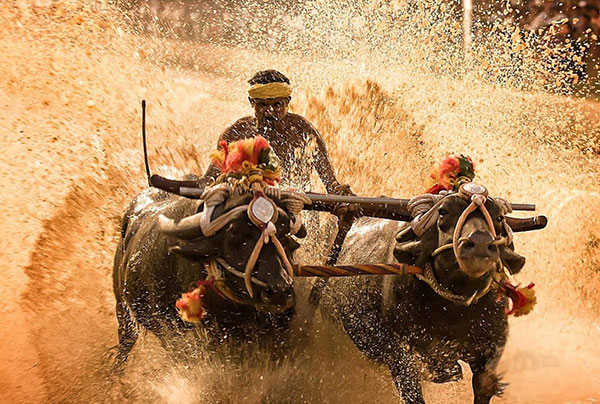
<point x="288" y="142"/>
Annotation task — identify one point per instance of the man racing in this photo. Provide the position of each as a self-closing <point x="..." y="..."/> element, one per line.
<point x="294" y="140"/>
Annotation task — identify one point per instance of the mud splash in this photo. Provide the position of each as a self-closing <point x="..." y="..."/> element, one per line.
<point x="71" y="80"/>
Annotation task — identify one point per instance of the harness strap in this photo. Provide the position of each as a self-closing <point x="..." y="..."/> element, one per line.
<point x="251" y="262"/>
<point x="220" y="286"/>
<point x="237" y="273"/>
<point x="477" y="202"/>
<point x="283" y="255"/>
<point x="429" y="278"/>
<point x="267" y="234"/>
<point x="210" y="228"/>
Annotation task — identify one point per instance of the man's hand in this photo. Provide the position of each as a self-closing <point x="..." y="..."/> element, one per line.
<point x="341" y="189"/>
<point x="344" y="209"/>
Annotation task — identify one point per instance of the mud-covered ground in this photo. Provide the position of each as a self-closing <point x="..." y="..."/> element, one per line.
<point x="71" y="80"/>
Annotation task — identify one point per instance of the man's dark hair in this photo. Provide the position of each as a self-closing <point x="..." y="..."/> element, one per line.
<point x="268" y="76"/>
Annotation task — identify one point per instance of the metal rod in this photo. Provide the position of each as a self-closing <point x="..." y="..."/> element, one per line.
<point x="381" y="207"/>
<point x="144" y="141"/>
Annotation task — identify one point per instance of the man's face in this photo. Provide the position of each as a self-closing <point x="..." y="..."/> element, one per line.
<point x="269" y="111"/>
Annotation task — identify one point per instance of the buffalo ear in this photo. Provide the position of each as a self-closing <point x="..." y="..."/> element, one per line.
<point x="301" y="233"/>
<point x="511" y="260"/>
<point x="408" y="252"/>
<point x="293" y="244"/>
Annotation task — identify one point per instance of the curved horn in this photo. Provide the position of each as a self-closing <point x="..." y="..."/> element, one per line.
<point x="422" y="203"/>
<point x="187" y="228"/>
<point x="408" y="252"/>
<point x="511" y="260"/>
<point x="526" y="223"/>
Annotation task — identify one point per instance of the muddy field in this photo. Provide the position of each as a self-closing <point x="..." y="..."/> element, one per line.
<point x="71" y="80"/>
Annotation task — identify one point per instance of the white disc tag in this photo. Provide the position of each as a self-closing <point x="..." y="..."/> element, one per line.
<point x="469" y="189"/>
<point x="263" y="210"/>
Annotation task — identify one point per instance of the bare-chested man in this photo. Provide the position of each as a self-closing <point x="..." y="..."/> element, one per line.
<point x="293" y="139"/>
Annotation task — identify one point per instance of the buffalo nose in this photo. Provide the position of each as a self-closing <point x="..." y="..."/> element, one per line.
<point x="278" y="296"/>
<point x="479" y="244"/>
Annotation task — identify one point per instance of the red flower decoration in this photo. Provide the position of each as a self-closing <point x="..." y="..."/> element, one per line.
<point x="189" y="305"/>
<point x="523" y="299"/>
<point x="244" y="155"/>
<point x="450" y="169"/>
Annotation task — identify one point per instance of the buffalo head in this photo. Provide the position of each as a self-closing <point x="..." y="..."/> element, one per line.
<point x="460" y="239"/>
<point x="245" y="244"/>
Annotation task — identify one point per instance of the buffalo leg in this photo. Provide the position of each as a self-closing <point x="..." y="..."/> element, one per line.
<point x="486" y="383"/>
<point x="128" y="334"/>
<point x="406" y="377"/>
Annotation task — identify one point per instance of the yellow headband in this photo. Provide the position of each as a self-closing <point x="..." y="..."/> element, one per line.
<point x="270" y="90"/>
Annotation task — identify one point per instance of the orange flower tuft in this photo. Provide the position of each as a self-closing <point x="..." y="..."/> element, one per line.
<point x="448" y="171"/>
<point x="443" y="177"/>
<point x="189" y="305"/>
<point x="523" y="299"/>
<point x="231" y="158"/>
<point x="245" y="155"/>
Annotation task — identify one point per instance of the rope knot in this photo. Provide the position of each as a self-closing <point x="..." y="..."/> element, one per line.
<point x="269" y="231"/>
<point x="478" y="199"/>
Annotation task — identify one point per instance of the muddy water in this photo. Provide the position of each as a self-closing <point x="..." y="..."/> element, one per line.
<point x="71" y="79"/>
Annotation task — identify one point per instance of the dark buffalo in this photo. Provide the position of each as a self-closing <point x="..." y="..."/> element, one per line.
<point x="156" y="260"/>
<point x="421" y="326"/>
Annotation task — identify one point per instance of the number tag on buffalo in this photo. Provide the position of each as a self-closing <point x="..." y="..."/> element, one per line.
<point x="262" y="209"/>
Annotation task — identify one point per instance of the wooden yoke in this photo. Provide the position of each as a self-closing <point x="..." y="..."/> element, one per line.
<point x="385" y="208"/>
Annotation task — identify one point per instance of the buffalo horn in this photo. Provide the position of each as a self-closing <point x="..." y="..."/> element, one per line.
<point x="187" y="228"/>
<point x="511" y="260"/>
<point x="408" y="252"/>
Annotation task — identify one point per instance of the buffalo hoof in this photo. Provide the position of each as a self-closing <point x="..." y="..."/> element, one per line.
<point x="500" y="387"/>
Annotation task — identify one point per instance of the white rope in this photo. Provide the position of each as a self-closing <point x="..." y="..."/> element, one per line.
<point x="425" y="212"/>
<point x="505" y="206"/>
<point x="213" y="197"/>
<point x="422" y="223"/>
<point x="294" y="201"/>
<point x="429" y="278"/>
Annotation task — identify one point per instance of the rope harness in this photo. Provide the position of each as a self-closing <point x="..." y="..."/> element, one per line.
<point x="328" y="271"/>
<point x="263" y="213"/>
<point x="477" y="195"/>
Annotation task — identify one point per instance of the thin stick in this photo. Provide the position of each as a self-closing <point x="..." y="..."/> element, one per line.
<point x="144" y="141"/>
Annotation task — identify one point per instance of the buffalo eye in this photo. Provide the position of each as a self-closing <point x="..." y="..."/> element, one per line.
<point x="282" y="227"/>
<point x="442" y="212"/>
